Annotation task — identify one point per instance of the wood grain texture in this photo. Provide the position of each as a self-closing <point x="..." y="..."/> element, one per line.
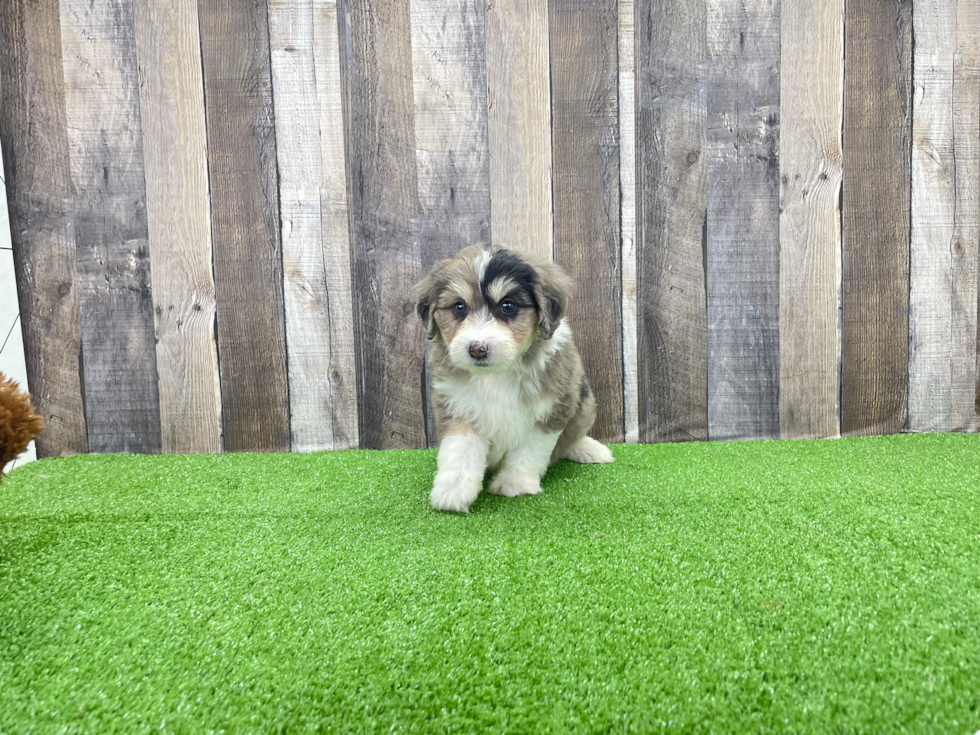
<point x="519" y="125"/>
<point x="875" y="244"/>
<point x="179" y="223"/>
<point x="943" y="258"/>
<point x="245" y="225"/>
<point x="743" y="219"/>
<point x="585" y="140"/>
<point x="627" y="218"/>
<point x="671" y="211"/>
<point x="122" y="404"/>
<point x="376" y="68"/>
<point x="315" y="235"/>
<point x="812" y="79"/>
<point x="452" y="153"/>
<point x="35" y="154"/>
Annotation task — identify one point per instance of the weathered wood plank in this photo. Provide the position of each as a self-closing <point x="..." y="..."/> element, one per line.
<point x="627" y="208"/>
<point x="743" y="219"/>
<point x="812" y="79"/>
<point x="178" y="218"/>
<point x="671" y="211"/>
<point x="122" y="404"/>
<point x="35" y="155"/>
<point x="245" y="225"/>
<point x="377" y="75"/>
<point x="875" y="254"/>
<point x="945" y="171"/>
<point x="585" y="138"/>
<point x="315" y="236"/>
<point x="451" y="146"/>
<point x="519" y="125"/>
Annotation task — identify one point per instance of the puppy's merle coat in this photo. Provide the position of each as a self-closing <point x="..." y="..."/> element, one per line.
<point x="510" y="394"/>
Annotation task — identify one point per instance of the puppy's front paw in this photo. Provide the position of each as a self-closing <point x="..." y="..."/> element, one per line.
<point x="511" y="484"/>
<point x="455" y="491"/>
<point x="588" y="451"/>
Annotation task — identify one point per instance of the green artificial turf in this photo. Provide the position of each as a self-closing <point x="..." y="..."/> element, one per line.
<point x="805" y="586"/>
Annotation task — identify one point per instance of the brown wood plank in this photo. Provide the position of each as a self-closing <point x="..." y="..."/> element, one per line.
<point x="519" y="125"/>
<point x="585" y="142"/>
<point x="945" y="218"/>
<point x="811" y="111"/>
<point x="376" y="67"/>
<point x="452" y="153"/>
<point x="122" y="404"/>
<point x="168" y="52"/>
<point x="315" y="232"/>
<point x="39" y="199"/>
<point x="877" y="181"/>
<point x="743" y="219"/>
<point x="671" y="211"/>
<point x="245" y="224"/>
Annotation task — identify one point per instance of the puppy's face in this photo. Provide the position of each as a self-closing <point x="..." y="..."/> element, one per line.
<point x="489" y="306"/>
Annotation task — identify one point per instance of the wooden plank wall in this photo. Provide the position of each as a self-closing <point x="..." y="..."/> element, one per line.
<point x="217" y="209"/>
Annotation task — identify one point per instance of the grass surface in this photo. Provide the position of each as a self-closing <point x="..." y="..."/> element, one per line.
<point x="806" y="586"/>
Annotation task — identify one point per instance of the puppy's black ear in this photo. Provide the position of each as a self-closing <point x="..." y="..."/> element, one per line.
<point x="425" y="293"/>
<point x="552" y="292"/>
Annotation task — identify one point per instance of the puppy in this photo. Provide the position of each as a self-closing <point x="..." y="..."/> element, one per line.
<point x="509" y="391"/>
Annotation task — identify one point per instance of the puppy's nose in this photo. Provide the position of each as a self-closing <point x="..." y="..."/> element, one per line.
<point x="478" y="350"/>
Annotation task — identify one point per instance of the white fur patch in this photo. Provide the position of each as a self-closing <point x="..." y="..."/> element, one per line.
<point x="461" y="463"/>
<point x="588" y="451"/>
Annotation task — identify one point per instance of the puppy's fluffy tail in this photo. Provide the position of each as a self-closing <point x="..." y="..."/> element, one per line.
<point x="588" y="451"/>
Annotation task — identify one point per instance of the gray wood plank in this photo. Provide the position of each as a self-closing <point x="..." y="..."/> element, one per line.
<point x="627" y="195"/>
<point x="315" y="231"/>
<point x="875" y="245"/>
<point x="585" y="144"/>
<point x="945" y="220"/>
<point x="245" y="225"/>
<point x="671" y="212"/>
<point x="811" y="161"/>
<point x="376" y="68"/>
<point x="519" y="129"/>
<point x="452" y="153"/>
<point x="33" y="131"/>
<point x="168" y="51"/>
<point x="743" y="219"/>
<point x="122" y="404"/>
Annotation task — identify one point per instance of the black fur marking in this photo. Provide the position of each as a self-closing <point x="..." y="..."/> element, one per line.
<point x="584" y="390"/>
<point x="505" y="264"/>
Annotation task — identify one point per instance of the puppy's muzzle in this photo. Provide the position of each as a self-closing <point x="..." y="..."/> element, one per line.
<point x="479" y="350"/>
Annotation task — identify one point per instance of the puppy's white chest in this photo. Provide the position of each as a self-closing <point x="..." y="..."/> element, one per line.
<point x="495" y="403"/>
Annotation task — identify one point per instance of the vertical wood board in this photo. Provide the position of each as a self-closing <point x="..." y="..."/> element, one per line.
<point x="315" y="241"/>
<point x="743" y="219"/>
<point x="35" y="158"/>
<point x="671" y="212"/>
<point x="875" y="237"/>
<point x="943" y="258"/>
<point x="377" y="74"/>
<point x="811" y="161"/>
<point x="452" y="153"/>
<point x="586" y="182"/>
<point x="245" y="225"/>
<point x="519" y="125"/>
<point x="122" y="404"/>
<point x="178" y="217"/>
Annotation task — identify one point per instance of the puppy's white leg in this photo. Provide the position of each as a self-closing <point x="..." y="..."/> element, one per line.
<point x="461" y="463"/>
<point x="588" y="451"/>
<point x="524" y="466"/>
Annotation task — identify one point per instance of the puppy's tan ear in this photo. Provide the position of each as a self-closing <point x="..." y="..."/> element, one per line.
<point x="425" y="293"/>
<point x="552" y="292"/>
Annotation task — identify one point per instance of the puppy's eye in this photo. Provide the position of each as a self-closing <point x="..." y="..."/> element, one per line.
<point x="459" y="309"/>
<point x="508" y="307"/>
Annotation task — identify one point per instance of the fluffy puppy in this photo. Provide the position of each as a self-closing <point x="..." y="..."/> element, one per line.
<point x="509" y="391"/>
